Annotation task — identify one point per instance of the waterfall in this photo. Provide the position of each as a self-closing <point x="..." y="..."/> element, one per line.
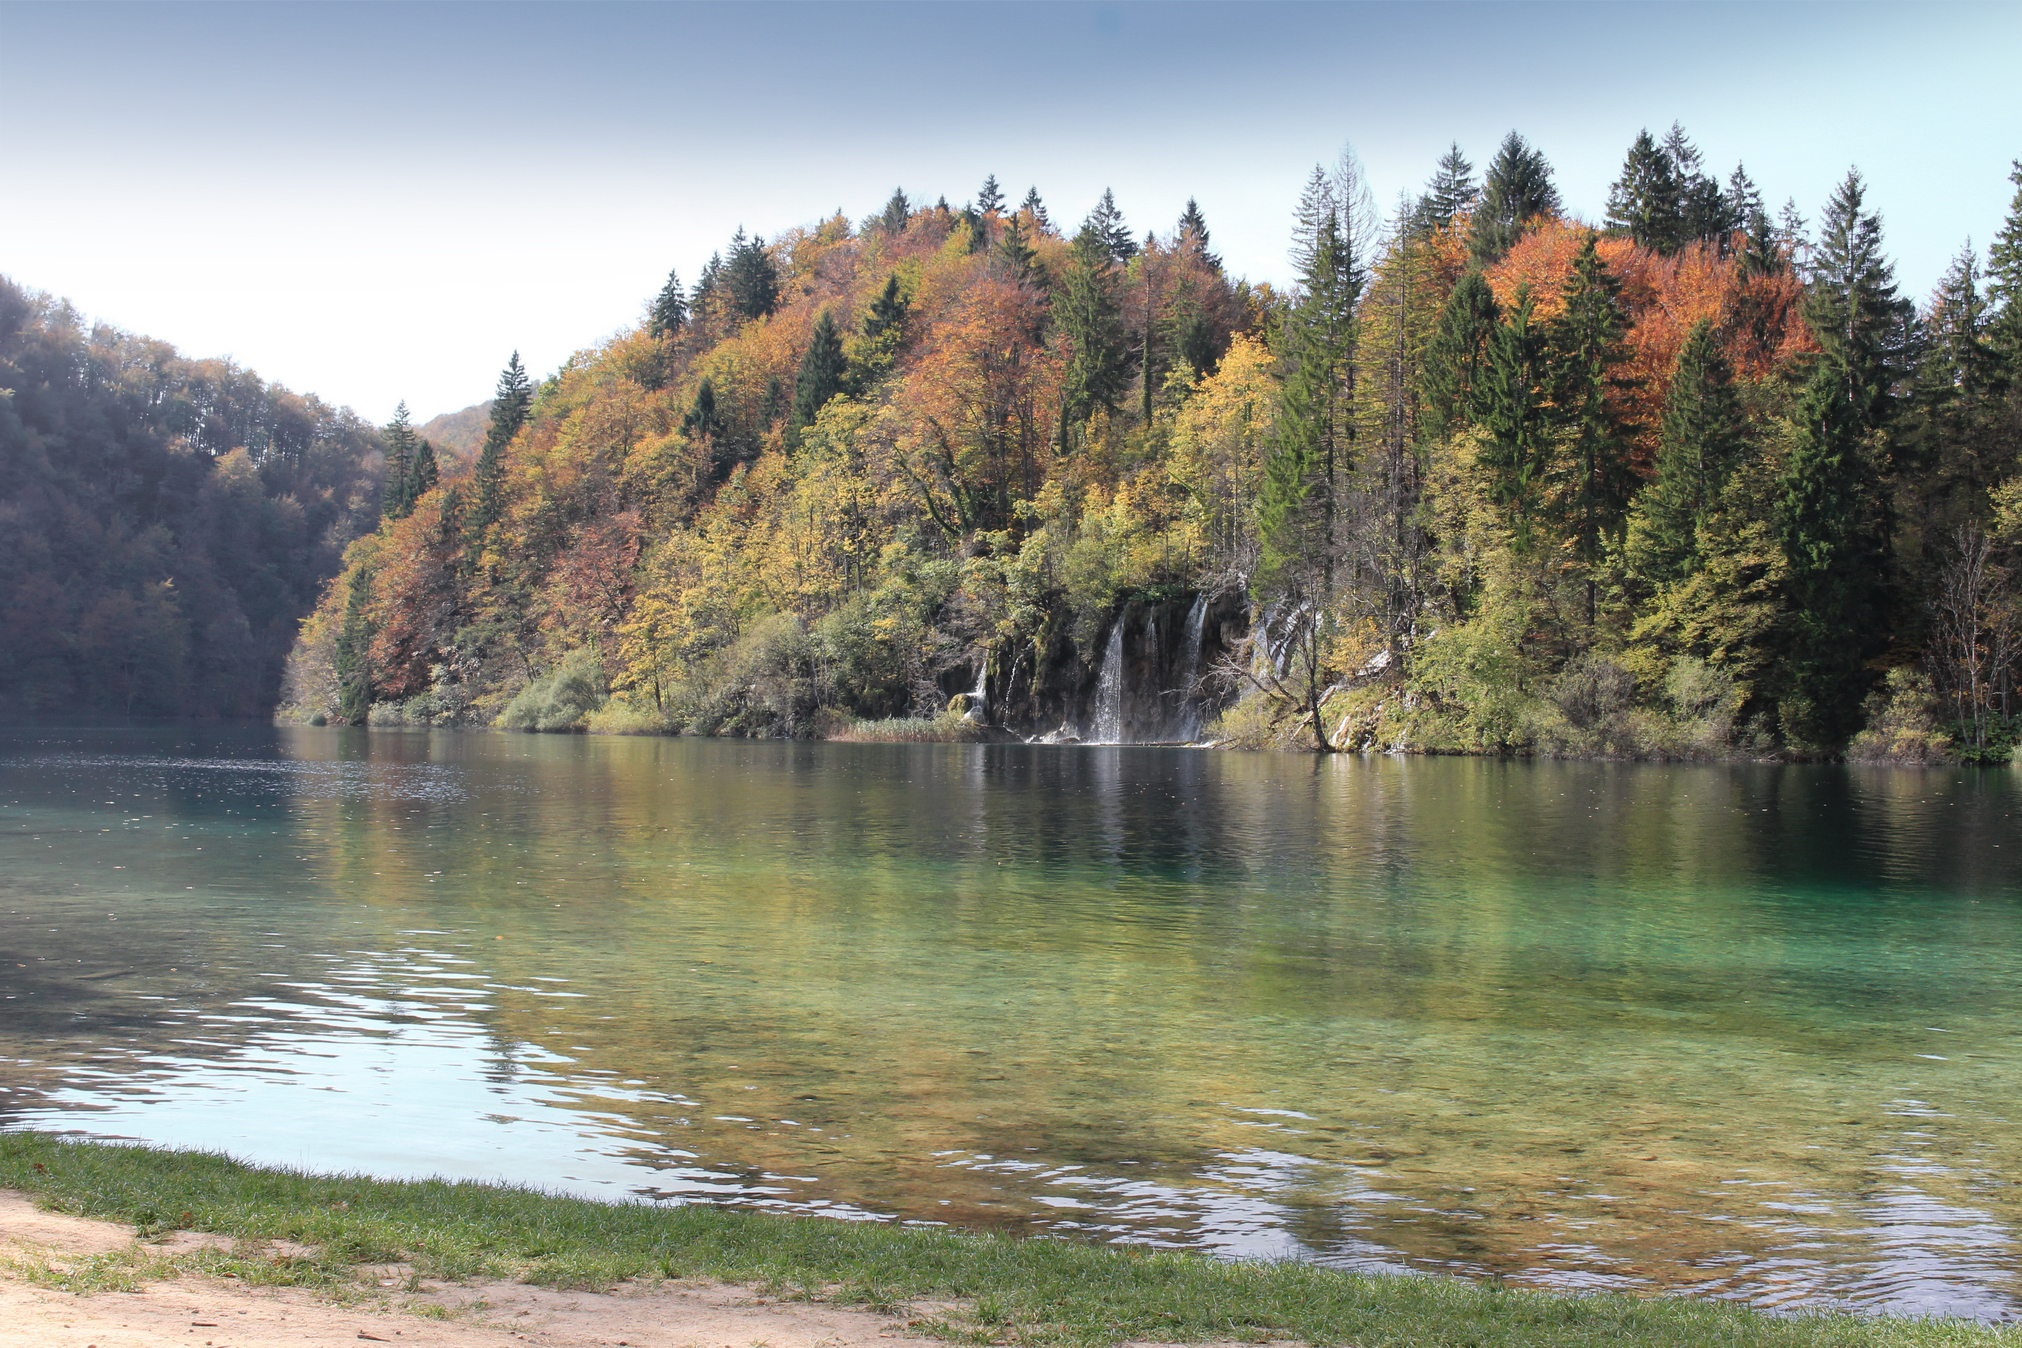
<point x="1190" y="712"/>
<point x="1109" y="689"/>
<point x="979" y="696"/>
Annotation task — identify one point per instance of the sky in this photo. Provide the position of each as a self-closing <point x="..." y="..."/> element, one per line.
<point x="379" y="201"/>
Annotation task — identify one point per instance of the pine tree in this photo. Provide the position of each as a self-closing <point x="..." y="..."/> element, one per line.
<point x="422" y="477"/>
<point x="892" y="219"/>
<point x="1955" y="329"/>
<point x="990" y="200"/>
<point x="708" y="288"/>
<point x="978" y="225"/>
<point x="1089" y="319"/>
<point x="1451" y="192"/>
<point x="1020" y="261"/>
<point x="1826" y="526"/>
<point x="670" y="309"/>
<point x="751" y="277"/>
<point x="1702" y="208"/>
<point x="701" y="422"/>
<point x="888" y="311"/>
<point x="396" y="497"/>
<point x="1107" y="222"/>
<point x="1509" y="406"/>
<point x="822" y="370"/>
<point x="1315" y="418"/>
<point x="353" y="657"/>
<point x="1457" y="355"/>
<point x="509" y="408"/>
<point x="1645" y="202"/>
<point x="1586" y="342"/>
<point x="2004" y="288"/>
<point x="1759" y="256"/>
<point x="1035" y="209"/>
<point x="1852" y="306"/>
<point x="1193" y="233"/>
<point x="1517" y="190"/>
<point x="1699" y="442"/>
<point x="883" y="333"/>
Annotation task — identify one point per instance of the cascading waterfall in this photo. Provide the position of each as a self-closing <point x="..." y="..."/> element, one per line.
<point x="1109" y="688"/>
<point x="1190" y="711"/>
<point x="979" y="696"/>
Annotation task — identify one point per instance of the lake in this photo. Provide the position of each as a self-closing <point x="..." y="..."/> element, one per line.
<point x="1736" y="1031"/>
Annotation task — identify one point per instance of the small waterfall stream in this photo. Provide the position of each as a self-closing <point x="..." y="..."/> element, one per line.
<point x="1109" y="688"/>
<point x="1190" y="711"/>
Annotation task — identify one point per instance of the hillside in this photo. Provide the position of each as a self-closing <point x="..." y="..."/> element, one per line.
<point x="165" y="523"/>
<point x="1490" y="477"/>
<point x="458" y="434"/>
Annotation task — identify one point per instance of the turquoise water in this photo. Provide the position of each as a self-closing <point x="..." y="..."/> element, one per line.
<point x="1747" y="1032"/>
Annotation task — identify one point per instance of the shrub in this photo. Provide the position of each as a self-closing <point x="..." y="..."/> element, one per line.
<point x="559" y="699"/>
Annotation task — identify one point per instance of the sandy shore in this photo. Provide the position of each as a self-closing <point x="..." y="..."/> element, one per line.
<point x="195" y="1312"/>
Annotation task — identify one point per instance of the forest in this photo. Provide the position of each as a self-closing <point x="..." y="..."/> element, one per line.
<point x="165" y="523"/>
<point x="1691" y="480"/>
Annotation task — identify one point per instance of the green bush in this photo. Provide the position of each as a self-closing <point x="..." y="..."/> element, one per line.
<point x="559" y="699"/>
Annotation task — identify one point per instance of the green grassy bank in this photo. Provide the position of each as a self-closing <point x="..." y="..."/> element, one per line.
<point x="1010" y="1290"/>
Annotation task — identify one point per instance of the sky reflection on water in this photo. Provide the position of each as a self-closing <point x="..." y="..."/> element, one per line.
<point x="1747" y="1032"/>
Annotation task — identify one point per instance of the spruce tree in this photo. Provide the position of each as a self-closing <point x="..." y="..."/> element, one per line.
<point x="1451" y="192"/>
<point x="887" y="312"/>
<point x="708" y="288"/>
<point x="1020" y="261"/>
<point x="1035" y="209"/>
<point x="1645" y="202"/>
<point x="422" y="477"/>
<point x="990" y="200"/>
<point x="1319" y="338"/>
<point x="1699" y="442"/>
<point x="1517" y="190"/>
<point x="1759" y="256"/>
<point x="1193" y="233"/>
<point x="1702" y="208"/>
<point x="822" y="369"/>
<point x="2004" y="289"/>
<point x="1089" y="319"/>
<point x="509" y="408"/>
<point x="396" y="496"/>
<point x="1586" y="342"/>
<point x="353" y="657"/>
<point x="1852" y="306"/>
<point x="892" y="219"/>
<point x="1107" y="222"/>
<point x="978" y="225"/>
<point x="1826" y="526"/>
<point x="1510" y="408"/>
<point x="670" y="309"/>
<point x="701" y="422"/>
<point x="751" y="277"/>
<point x="1456" y="355"/>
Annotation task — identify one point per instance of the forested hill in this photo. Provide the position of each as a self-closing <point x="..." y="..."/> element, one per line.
<point x="165" y="523"/>
<point x="1687" y="479"/>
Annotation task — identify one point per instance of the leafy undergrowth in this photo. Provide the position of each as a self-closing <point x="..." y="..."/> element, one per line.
<point x="1028" y="1291"/>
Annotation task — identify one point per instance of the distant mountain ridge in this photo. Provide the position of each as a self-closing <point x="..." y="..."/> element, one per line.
<point x="460" y="433"/>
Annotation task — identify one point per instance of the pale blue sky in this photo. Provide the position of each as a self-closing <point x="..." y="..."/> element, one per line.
<point x="373" y="201"/>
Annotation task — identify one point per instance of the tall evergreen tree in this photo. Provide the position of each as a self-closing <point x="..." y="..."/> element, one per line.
<point x="1828" y="531"/>
<point x="1645" y="202"/>
<point x="1107" y="222"/>
<point x="396" y="496"/>
<point x="702" y="421"/>
<point x="1852" y="306"/>
<point x="670" y="309"/>
<point x="822" y="370"/>
<point x="887" y="313"/>
<point x="2004" y="288"/>
<point x="1457" y="355"/>
<point x="1517" y="190"/>
<point x="1015" y="250"/>
<point x="990" y="200"/>
<point x="1316" y="416"/>
<point x="1089" y="319"/>
<point x="509" y="408"/>
<point x="1698" y="445"/>
<point x="1451" y="192"/>
<point x="1759" y="256"/>
<point x="422" y="477"/>
<point x="892" y="219"/>
<point x="353" y="658"/>
<point x="708" y="288"/>
<point x="1035" y="209"/>
<point x="1193" y="233"/>
<point x="1702" y="207"/>
<point x="751" y="276"/>
<point x="1586" y="342"/>
<point x="1510" y="408"/>
<point x="1955" y="329"/>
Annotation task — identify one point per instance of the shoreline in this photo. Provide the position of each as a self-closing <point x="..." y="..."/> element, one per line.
<point x="343" y="1239"/>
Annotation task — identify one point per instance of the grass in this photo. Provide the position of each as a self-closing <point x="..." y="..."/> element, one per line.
<point x="1006" y="1289"/>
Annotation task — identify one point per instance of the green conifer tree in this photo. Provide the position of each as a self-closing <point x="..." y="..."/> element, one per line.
<point x="1517" y="190"/>
<point x="751" y="277"/>
<point x="1193" y="233"/>
<point x="990" y="199"/>
<point x="1699" y="442"/>
<point x="423" y="475"/>
<point x="1451" y="192"/>
<point x="1586" y="347"/>
<point x="2004" y="289"/>
<point x="1035" y="210"/>
<point x="1852" y="306"/>
<point x="1456" y="356"/>
<point x="1107" y="222"/>
<point x="1510" y="407"/>
<point x="670" y="309"/>
<point x="1645" y="203"/>
<point x="822" y="371"/>
<point x="893" y="218"/>
<point x="509" y="409"/>
<point x="353" y="656"/>
<point x="1020" y="260"/>
<point x="1088" y="317"/>
<point x="396" y="497"/>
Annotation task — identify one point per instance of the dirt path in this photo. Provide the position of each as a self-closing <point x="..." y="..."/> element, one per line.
<point x="194" y="1312"/>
